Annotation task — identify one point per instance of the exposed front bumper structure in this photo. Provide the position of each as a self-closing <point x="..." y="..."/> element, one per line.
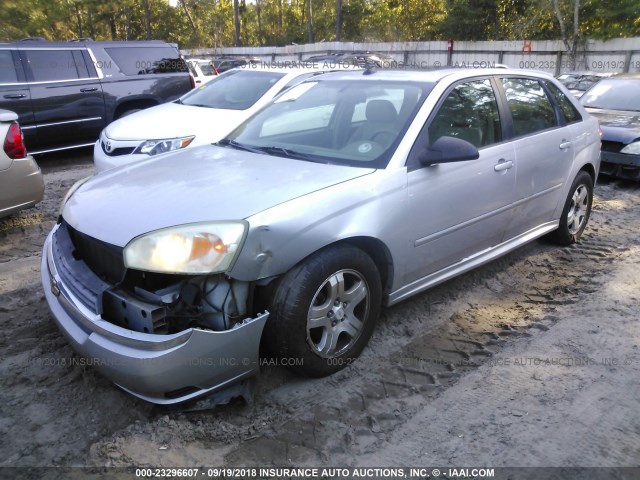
<point x="620" y="165"/>
<point x="163" y="369"/>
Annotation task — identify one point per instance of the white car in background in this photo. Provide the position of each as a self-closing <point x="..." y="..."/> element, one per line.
<point x="202" y="70"/>
<point x="204" y="115"/>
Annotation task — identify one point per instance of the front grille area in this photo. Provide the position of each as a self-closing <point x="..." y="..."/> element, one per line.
<point x="104" y="259"/>
<point x="117" y="151"/>
<point x="613" y="147"/>
<point x="74" y="273"/>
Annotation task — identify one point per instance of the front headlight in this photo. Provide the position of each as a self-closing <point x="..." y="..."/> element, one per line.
<point x="155" y="147"/>
<point x="632" y="148"/>
<point x="197" y="248"/>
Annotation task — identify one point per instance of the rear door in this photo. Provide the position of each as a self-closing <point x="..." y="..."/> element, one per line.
<point x="14" y="92"/>
<point x="544" y="147"/>
<point x="66" y="96"/>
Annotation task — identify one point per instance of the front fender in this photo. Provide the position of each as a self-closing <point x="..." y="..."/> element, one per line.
<point x="282" y="236"/>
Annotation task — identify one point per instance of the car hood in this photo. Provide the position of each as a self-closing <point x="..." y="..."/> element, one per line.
<point x="203" y="184"/>
<point x="618" y="126"/>
<point x="173" y="120"/>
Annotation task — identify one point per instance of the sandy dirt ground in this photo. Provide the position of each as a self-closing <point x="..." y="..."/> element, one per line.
<point x="531" y="360"/>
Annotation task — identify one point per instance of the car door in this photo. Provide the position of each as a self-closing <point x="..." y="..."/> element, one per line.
<point x="66" y="96"/>
<point x="544" y="151"/>
<point x="14" y="92"/>
<point x="457" y="210"/>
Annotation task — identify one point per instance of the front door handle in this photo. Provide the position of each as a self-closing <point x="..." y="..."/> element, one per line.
<point x="503" y="165"/>
<point x="14" y="96"/>
<point x="85" y="90"/>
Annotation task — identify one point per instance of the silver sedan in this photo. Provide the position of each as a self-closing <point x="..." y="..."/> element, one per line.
<point x="348" y="192"/>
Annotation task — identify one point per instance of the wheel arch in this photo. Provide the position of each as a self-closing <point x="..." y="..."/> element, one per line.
<point x="134" y="104"/>
<point x="380" y="255"/>
<point x="590" y="169"/>
<point x="374" y="247"/>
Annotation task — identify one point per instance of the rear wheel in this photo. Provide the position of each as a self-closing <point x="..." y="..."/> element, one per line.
<point x="576" y="211"/>
<point x="324" y="311"/>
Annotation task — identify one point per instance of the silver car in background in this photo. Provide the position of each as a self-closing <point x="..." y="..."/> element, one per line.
<point x="21" y="184"/>
<point x="350" y="191"/>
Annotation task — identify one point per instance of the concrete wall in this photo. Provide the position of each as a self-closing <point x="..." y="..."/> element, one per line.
<point x="618" y="55"/>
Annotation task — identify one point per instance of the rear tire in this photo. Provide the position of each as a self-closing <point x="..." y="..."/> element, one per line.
<point x="576" y="211"/>
<point x="324" y="311"/>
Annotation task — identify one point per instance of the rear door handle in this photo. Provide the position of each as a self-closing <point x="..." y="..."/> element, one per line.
<point x="15" y="95"/>
<point x="85" y="90"/>
<point x="564" y="145"/>
<point x="503" y="165"/>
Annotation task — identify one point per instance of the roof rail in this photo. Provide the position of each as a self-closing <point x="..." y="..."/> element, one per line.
<point x="81" y="39"/>
<point x="33" y="39"/>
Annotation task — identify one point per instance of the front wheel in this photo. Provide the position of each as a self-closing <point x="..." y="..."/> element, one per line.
<point x="576" y="211"/>
<point x="324" y="311"/>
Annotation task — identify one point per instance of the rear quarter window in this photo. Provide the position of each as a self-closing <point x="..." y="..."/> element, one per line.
<point x="147" y="60"/>
<point x="568" y="111"/>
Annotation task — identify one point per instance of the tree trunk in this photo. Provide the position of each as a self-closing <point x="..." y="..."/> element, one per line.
<point x="309" y="22"/>
<point x="79" y="17"/>
<point x="147" y="18"/>
<point x="236" y="21"/>
<point x="127" y="23"/>
<point x="92" y="32"/>
<point x="189" y="17"/>
<point x="571" y="44"/>
<point x="338" y="19"/>
<point x="280" y="19"/>
<point x="112" y="26"/>
<point x="258" y="13"/>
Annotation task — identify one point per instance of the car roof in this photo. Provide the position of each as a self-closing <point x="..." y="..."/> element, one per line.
<point x="296" y="68"/>
<point x="429" y="76"/>
<point x="625" y="76"/>
<point x="34" y="43"/>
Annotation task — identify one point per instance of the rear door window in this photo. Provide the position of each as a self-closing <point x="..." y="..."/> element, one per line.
<point x="51" y="65"/>
<point x="531" y="109"/>
<point x="8" y="72"/>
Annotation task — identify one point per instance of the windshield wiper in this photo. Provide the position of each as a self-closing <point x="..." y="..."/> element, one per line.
<point x="285" y="152"/>
<point x="225" y="142"/>
<point x="268" y="150"/>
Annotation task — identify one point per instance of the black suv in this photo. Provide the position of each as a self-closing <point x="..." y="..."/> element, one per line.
<point x="66" y="93"/>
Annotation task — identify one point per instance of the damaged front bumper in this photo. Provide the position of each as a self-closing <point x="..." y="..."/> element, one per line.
<point x="162" y="369"/>
<point x="620" y="165"/>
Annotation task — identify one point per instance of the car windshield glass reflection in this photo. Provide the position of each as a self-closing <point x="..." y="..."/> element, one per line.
<point x="334" y="121"/>
<point x="235" y="90"/>
<point x="614" y="95"/>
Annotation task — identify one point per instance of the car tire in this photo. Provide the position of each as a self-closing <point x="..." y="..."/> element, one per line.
<point x="576" y="211"/>
<point x="324" y="311"/>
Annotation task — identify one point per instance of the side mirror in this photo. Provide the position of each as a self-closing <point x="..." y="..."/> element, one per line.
<point x="448" y="150"/>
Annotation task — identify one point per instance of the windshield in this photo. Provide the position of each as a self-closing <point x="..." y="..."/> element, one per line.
<point x="235" y="90"/>
<point x="357" y="123"/>
<point x="206" y="68"/>
<point x="610" y="94"/>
